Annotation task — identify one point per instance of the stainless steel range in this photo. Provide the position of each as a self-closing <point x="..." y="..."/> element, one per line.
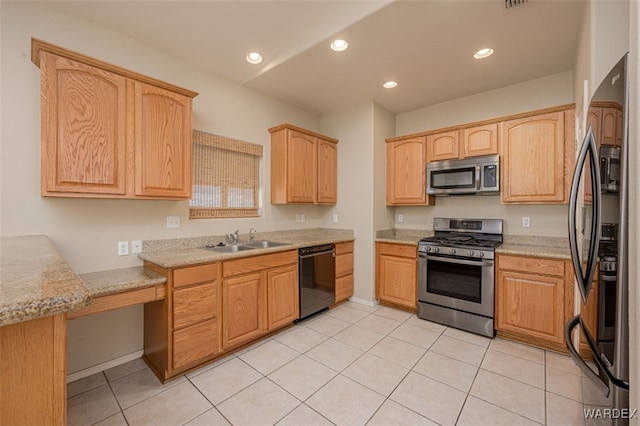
<point x="455" y="273"/>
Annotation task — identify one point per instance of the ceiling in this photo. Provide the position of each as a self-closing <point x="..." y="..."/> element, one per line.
<point x="427" y="46"/>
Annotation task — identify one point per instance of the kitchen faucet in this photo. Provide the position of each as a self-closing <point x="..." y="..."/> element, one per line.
<point x="233" y="237"/>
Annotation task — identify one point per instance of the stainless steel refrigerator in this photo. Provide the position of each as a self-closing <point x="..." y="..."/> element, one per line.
<point x="598" y="236"/>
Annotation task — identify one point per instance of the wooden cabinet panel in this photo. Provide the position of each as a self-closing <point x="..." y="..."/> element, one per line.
<point x="194" y="304"/>
<point x="531" y="304"/>
<point x="405" y="170"/>
<point x="609" y="124"/>
<point x="480" y="140"/>
<point x="344" y="264"/>
<point x="195" y="274"/>
<point x="163" y="142"/>
<point x="259" y="263"/>
<point x="243" y="309"/>
<point x="303" y="166"/>
<point x="327" y="186"/>
<point x="83" y="142"/>
<point x="194" y="344"/>
<point x="443" y="146"/>
<point x="344" y="287"/>
<point x="282" y="297"/>
<point x="396" y="274"/>
<point x="534" y="147"/>
<point x="342" y="248"/>
<point x="535" y="265"/>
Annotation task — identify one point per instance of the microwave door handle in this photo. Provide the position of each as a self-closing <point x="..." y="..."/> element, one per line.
<point x="478" y="178"/>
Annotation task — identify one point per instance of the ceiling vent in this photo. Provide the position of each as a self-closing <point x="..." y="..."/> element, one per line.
<point x="512" y="3"/>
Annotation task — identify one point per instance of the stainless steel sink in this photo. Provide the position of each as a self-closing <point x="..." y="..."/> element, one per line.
<point x="232" y="248"/>
<point x="265" y="244"/>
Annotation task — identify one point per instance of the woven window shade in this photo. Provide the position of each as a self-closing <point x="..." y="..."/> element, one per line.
<point x="226" y="177"/>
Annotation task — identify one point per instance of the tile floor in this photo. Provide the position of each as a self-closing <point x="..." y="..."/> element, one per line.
<point x="353" y="365"/>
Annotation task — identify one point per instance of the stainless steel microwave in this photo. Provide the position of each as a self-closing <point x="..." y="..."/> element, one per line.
<point x="476" y="175"/>
<point x="610" y="169"/>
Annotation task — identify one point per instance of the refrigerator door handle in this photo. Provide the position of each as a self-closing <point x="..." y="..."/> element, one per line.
<point x="585" y="277"/>
<point x="580" y="362"/>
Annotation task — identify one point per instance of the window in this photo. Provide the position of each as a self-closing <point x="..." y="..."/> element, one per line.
<point x="226" y="177"/>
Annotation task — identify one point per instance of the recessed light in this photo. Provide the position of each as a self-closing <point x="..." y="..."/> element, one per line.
<point x="390" y="84"/>
<point x="339" y="45"/>
<point x="483" y="53"/>
<point x="254" y="58"/>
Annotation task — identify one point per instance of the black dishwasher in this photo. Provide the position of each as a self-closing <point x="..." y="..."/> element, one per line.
<point x="317" y="271"/>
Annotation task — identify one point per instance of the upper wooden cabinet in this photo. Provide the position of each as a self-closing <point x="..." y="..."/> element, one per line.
<point x="406" y="174"/>
<point x="605" y="118"/>
<point x="537" y="156"/>
<point x="108" y="132"/>
<point x="304" y="166"/>
<point x="467" y="142"/>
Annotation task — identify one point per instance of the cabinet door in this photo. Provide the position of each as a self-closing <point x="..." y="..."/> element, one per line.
<point x="406" y="175"/>
<point x="443" y="146"/>
<point x="480" y="140"/>
<point x="83" y="128"/>
<point x="282" y="296"/>
<point x="194" y="344"/>
<point x="533" y="156"/>
<point x="301" y="168"/>
<point x="162" y="142"/>
<point x="619" y="129"/>
<point x="531" y="305"/>
<point x="609" y="125"/>
<point x="327" y="172"/>
<point x="194" y="304"/>
<point x="243" y="309"/>
<point x="397" y="280"/>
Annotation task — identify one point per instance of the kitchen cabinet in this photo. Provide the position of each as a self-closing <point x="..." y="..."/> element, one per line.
<point x="108" y="132"/>
<point x="537" y="158"/>
<point x="405" y="171"/>
<point x="33" y="382"/>
<point x="467" y="142"/>
<point x="532" y="299"/>
<point x="396" y="275"/>
<point x="260" y="294"/>
<point x="303" y="166"/>
<point x="344" y="271"/>
<point x="182" y="331"/>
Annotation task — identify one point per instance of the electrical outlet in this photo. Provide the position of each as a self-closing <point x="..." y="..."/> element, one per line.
<point x="526" y="222"/>
<point x="297" y="218"/>
<point x="136" y="246"/>
<point x="335" y="218"/>
<point x="173" y="222"/>
<point x="400" y="218"/>
<point x="301" y="218"/>
<point x="123" y="248"/>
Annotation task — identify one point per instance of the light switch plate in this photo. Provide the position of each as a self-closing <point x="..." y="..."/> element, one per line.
<point x="400" y="218"/>
<point x="526" y="222"/>
<point x="123" y="248"/>
<point x="335" y="218"/>
<point x="173" y="222"/>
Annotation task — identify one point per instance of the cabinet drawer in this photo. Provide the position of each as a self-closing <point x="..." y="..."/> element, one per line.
<point x="344" y="287"/>
<point x="194" y="343"/>
<point x="342" y="248"/>
<point x="536" y="265"/>
<point x="344" y="264"/>
<point x="194" y="304"/>
<point x="259" y="263"/>
<point x="400" y="250"/>
<point x="195" y="274"/>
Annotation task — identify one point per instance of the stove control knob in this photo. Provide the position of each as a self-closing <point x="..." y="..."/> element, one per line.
<point x="471" y="253"/>
<point x="481" y="254"/>
<point x="428" y="249"/>
<point x="452" y="251"/>
<point x="436" y="249"/>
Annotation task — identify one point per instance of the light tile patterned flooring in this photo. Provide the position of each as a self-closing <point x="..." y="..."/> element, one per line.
<point x="353" y="365"/>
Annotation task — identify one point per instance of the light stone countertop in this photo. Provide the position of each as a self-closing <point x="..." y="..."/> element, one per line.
<point x="552" y="247"/>
<point x="35" y="281"/>
<point x="191" y="251"/>
<point x="104" y="283"/>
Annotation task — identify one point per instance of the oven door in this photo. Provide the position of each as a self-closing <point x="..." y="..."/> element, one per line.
<point x="459" y="283"/>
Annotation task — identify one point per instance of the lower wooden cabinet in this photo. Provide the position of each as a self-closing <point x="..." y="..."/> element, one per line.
<point x="344" y="271"/>
<point x="396" y="272"/>
<point x="194" y="344"/>
<point x="532" y="303"/>
<point x="259" y="295"/>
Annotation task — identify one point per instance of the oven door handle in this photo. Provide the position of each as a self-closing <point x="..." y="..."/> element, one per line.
<point x="459" y="261"/>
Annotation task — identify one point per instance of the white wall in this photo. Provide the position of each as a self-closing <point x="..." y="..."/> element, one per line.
<point x="546" y="220"/>
<point x="86" y="231"/>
